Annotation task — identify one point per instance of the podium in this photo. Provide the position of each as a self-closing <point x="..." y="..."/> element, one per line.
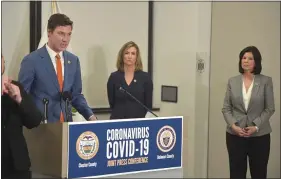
<point x="47" y="147"/>
<point x="106" y="148"/>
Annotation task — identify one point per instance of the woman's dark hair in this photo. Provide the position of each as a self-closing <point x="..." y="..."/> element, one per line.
<point x="257" y="58"/>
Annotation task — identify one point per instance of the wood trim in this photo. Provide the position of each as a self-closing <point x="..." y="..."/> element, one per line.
<point x="150" y="38"/>
<point x="108" y="110"/>
<point x="35" y="13"/>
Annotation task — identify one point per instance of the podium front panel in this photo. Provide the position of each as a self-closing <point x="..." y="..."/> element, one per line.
<point x="114" y="147"/>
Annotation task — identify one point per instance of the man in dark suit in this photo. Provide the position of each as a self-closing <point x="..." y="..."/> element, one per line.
<point x="17" y="110"/>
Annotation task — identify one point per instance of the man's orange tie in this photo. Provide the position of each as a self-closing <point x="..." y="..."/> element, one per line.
<point x="59" y="75"/>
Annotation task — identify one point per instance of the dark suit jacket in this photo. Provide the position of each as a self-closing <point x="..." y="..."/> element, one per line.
<point x="13" y="118"/>
<point x="121" y="104"/>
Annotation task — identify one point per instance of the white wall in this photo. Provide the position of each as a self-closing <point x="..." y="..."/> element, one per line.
<point x="181" y="33"/>
<point x="100" y="29"/>
<point x="15" y="35"/>
<point x="232" y="30"/>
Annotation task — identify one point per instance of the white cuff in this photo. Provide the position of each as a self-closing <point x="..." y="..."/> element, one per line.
<point x="90" y="117"/>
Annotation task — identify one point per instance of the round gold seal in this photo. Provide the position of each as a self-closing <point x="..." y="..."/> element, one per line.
<point x="87" y="145"/>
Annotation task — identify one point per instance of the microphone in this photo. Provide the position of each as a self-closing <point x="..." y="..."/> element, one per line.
<point x="45" y="117"/>
<point x="67" y="97"/>
<point x="134" y="98"/>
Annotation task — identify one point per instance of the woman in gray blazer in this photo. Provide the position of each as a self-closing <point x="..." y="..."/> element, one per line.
<point x="248" y="106"/>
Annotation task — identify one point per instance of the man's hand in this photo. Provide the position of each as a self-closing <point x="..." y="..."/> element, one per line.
<point x="92" y="118"/>
<point x="238" y="130"/>
<point x="13" y="91"/>
<point x="250" y="130"/>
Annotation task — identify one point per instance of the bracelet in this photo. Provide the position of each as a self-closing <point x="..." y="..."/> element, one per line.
<point x="257" y="128"/>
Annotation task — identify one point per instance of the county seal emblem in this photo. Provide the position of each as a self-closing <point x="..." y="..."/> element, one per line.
<point x="87" y="145"/>
<point x="166" y="139"/>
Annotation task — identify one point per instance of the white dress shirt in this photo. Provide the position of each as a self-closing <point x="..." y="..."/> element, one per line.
<point x="247" y="94"/>
<point x="52" y="55"/>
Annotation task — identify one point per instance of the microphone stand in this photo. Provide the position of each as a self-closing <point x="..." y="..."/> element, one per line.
<point x="123" y="90"/>
<point x="66" y="109"/>
<point x="45" y="117"/>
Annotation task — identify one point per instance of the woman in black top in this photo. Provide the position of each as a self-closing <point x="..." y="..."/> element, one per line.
<point x="17" y="111"/>
<point x="130" y="77"/>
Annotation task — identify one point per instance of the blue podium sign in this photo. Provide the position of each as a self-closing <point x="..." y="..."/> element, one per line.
<point x="124" y="146"/>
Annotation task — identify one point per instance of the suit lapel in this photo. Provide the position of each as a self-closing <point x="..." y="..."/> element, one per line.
<point x="240" y="85"/>
<point x="255" y="90"/>
<point x="67" y="62"/>
<point x="47" y="63"/>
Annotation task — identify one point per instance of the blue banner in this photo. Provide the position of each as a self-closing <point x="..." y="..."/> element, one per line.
<point x="122" y="146"/>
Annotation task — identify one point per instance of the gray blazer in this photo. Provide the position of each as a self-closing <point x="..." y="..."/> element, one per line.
<point x="260" y="108"/>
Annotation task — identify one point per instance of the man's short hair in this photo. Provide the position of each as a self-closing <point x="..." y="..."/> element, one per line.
<point x="58" y="20"/>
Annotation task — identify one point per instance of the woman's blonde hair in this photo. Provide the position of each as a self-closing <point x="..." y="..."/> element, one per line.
<point x="120" y="62"/>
